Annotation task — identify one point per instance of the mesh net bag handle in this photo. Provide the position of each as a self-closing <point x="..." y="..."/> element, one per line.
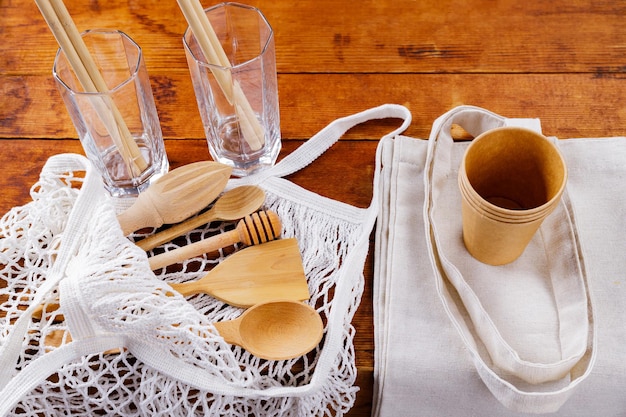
<point x="327" y="137"/>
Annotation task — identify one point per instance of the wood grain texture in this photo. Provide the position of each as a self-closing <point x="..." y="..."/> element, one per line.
<point x="399" y="36"/>
<point x="563" y="61"/>
<point x="595" y="107"/>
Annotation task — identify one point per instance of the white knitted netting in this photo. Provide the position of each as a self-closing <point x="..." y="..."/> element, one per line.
<point x="120" y="295"/>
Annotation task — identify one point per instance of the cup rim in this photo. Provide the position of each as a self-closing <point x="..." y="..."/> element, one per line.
<point x="500" y="213"/>
<point x="264" y="49"/>
<point x="133" y="74"/>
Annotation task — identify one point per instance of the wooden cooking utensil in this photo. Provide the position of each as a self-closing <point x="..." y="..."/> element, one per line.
<point x="275" y="330"/>
<point x="176" y="196"/>
<point x="39" y="312"/>
<point x="260" y="227"/>
<point x="232" y="205"/>
<point x="254" y="275"/>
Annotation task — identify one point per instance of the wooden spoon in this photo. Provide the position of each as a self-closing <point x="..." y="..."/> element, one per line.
<point x="232" y="205"/>
<point x="254" y="275"/>
<point x="275" y="330"/>
<point x="176" y="196"/>
<point x="260" y="227"/>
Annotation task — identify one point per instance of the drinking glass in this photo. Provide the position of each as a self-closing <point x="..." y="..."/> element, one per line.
<point x="118" y="126"/>
<point x="237" y="95"/>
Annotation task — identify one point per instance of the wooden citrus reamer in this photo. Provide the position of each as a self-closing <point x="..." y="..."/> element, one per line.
<point x="176" y="196"/>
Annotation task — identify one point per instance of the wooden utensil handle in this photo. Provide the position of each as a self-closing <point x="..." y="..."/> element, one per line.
<point x="229" y="330"/>
<point x="188" y="288"/>
<point x="167" y="235"/>
<point x="194" y="249"/>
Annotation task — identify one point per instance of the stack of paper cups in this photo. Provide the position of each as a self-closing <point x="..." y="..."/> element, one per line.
<point x="510" y="180"/>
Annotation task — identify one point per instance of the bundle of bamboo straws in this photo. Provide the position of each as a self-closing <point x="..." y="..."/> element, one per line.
<point x="251" y="128"/>
<point x="71" y="42"/>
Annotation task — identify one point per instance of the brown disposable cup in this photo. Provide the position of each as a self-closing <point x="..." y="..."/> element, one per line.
<point x="510" y="180"/>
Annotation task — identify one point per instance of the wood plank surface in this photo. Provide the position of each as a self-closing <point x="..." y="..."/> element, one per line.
<point x="593" y="107"/>
<point x="369" y="36"/>
<point x="563" y="61"/>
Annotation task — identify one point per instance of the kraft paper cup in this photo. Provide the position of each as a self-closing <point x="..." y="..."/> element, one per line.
<point x="510" y="180"/>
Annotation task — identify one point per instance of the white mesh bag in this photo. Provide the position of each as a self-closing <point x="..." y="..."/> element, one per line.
<point x="127" y="346"/>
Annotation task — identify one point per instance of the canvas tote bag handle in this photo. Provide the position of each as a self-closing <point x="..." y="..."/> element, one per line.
<point x="574" y="329"/>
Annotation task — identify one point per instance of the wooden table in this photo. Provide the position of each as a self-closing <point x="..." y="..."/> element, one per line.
<point x="563" y="61"/>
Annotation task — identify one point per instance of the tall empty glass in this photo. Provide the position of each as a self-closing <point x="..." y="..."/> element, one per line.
<point x="118" y="126"/>
<point x="237" y="95"/>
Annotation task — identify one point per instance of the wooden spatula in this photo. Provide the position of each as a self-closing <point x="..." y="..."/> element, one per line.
<point x="176" y="196"/>
<point x="254" y="275"/>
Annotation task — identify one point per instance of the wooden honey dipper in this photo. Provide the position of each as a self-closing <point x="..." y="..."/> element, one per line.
<point x="256" y="228"/>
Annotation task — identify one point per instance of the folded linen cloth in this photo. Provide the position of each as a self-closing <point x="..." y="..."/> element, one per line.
<point x="424" y="366"/>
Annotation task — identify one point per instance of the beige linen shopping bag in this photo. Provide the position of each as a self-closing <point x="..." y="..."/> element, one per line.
<point x="543" y="293"/>
<point x="529" y="326"/>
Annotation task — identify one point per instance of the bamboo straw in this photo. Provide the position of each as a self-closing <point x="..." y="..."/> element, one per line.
<point x="71" y="43"/>
<point x="211" y="47"/>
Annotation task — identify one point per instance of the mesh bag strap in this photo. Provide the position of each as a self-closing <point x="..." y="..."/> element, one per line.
<point x="92" y="190"/>
<point x="327" y="137"/>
